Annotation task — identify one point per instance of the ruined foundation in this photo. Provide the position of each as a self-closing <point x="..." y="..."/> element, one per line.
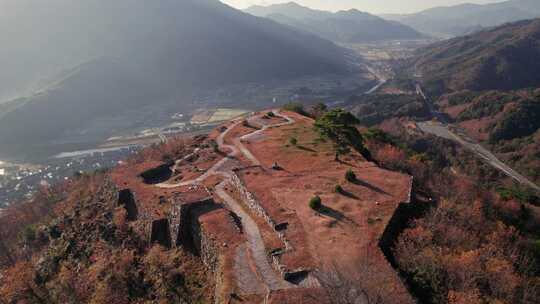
<point x="157" y="175"/>
<point x="126" y="199"/>
<point x="161" y="233"/>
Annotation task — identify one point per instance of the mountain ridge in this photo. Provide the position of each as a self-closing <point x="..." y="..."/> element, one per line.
<point x="450" y="21"/>
<point x="346" y="26"/>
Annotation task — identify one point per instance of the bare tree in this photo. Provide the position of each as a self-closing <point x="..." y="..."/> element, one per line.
<point x="364" y="283"/>
<point x="343" y="290"/>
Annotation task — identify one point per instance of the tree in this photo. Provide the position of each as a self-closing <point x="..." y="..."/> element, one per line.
<point x="338" y="189"/>
<point x="214" y="145"/>
<point x="315" y="203"/>
<point x="295" y="107"/>
<point x="293" y="141"/>
<point x="318" y="110"/>
<point x="339" y="126"/>
<point x="362" y="282"/>
<point x="350" y="176"/>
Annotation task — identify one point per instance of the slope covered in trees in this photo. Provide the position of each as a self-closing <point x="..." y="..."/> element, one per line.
<point x="506" y="121"/>
<point x="502" y="58"/>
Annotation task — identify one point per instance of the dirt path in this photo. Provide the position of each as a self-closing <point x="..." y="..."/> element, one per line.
<point x="247" y="137"/>
<point x="215" y="168"/>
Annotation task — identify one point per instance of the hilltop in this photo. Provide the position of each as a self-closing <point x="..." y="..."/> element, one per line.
<point x="225" y="217"/>
<point x="277" y="206"/>
<point x="352" y="26"/>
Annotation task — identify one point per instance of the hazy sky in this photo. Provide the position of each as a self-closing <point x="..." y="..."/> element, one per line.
<point x="372" y="6"/>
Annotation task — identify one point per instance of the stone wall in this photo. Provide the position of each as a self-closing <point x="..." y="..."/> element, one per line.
<point x="184" y="222"/>
<point x="405" y="212"/>
<point x="209" y="250"/>
<point x="252" y="203"/>
<point x="175" y="220"/>
<point x="187" y="232"/>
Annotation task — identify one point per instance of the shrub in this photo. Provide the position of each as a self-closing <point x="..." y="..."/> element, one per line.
<point x="350" y="176"/>
<point x="295" y="107"/>
<point x="315" y="203"/>
<point x="270" y="114"/>
<point x="338" y="189"/>
<point x="214" y="145"/>
<point x="293" y="141"/>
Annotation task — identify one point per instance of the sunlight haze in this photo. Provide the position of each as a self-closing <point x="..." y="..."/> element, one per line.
<point x="372" y="6"/>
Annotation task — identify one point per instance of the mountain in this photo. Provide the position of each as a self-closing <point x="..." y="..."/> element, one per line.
<point x="465" y="18"/>
<point x="350" y="26"/>
<point x="503" y="58"/>
<point x="118" y="56"/>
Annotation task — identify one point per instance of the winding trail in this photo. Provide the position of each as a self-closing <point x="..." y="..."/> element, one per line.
<point x="263" y="271"/>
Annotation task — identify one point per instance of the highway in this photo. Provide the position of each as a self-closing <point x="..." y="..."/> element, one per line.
<point x="382" y="80"/>
<point x="443" y="129"/>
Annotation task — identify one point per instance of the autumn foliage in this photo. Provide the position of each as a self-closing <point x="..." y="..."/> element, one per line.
<point x="76" y="247"/>
<point x="457" y="254"/>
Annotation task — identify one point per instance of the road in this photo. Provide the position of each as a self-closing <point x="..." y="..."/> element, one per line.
<point x="382" y="80"/>
<point x="442" y="129"/>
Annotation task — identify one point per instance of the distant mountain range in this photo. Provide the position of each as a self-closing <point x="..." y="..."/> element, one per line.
<point x="503" y="58"/>
<point x="137" y="53"/>
<point x="467" y="18"/>
<point x="350" y="26"/>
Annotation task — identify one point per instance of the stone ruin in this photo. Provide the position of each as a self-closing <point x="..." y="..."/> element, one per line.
<point x="126" y="199"/>
<point x="158" y="174"/>
<point x="161" y="233"/>
<point x="188" y="234"/>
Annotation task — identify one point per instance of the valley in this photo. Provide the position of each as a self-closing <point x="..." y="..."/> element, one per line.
<point x="105" y="142"/>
